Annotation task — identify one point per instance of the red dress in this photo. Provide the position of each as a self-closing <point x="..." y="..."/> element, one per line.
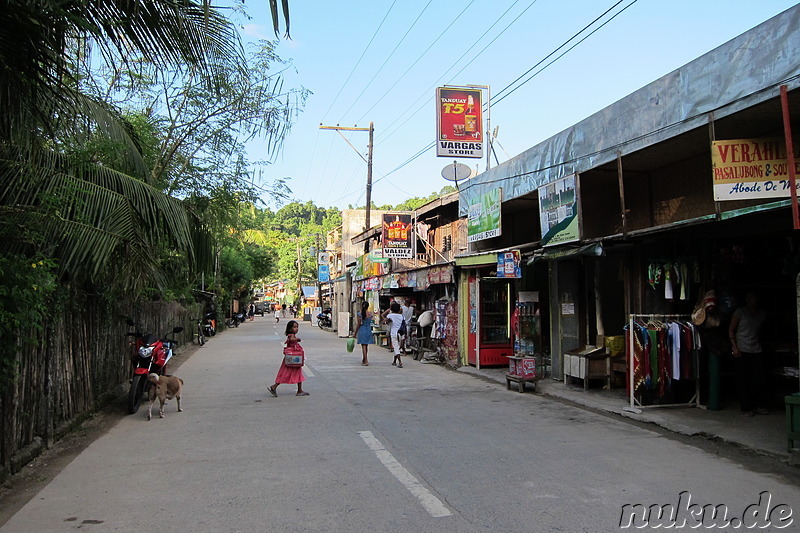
<point x="293" y="374"/>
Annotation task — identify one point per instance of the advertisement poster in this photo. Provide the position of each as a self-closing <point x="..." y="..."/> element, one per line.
<point x="745" y="169"/>
<point x="459" y="122"/>
<point x="398" y="236"/>
<point x="508" y="264"/>
<point x="324" y="273"/>
<point x="558" y="209"/>
<point x="483" y="218"/>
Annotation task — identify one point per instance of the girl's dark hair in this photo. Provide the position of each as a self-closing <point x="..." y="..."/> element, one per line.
<point x="395" y="307"/>
<point x="290" y="325"/>
<point x="364" y="307"/>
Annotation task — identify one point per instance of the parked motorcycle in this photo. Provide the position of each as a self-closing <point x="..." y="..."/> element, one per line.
<point x="235" y="320"/>
<point x="152" y="355"/>
<point x="324" y="319"/>
<point x="210" y="325"/>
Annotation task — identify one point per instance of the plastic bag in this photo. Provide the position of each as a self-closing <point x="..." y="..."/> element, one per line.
<point x="351" y="344"/>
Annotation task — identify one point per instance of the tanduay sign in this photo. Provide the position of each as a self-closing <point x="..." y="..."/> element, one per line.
<point x="459" y="122"/>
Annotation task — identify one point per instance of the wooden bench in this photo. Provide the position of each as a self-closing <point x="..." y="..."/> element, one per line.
<point x="520" y="381"/>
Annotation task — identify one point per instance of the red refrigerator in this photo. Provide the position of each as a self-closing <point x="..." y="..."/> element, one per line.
<point x="493" y="335"/>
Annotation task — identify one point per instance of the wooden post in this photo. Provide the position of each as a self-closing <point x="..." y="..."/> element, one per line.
<point x="787" y="133"/>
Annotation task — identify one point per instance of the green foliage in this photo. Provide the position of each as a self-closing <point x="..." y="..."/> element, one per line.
<point x="27" y="286"/>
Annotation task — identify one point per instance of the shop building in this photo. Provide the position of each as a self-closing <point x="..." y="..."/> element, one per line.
<point x="426" y="278"/>
<point x="636" y="213"/>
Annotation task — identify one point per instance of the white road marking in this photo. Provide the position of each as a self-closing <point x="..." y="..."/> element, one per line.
<point x="431" y="503"/>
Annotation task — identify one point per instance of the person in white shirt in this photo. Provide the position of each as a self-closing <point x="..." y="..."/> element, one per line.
<point x="395" y="318"/>
<point x="408" y="315"/>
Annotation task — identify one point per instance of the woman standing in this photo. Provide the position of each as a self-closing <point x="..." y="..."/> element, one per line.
<point x="364" y="331"/>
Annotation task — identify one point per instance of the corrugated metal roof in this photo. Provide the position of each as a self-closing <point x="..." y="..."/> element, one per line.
<point x="743" y="72"/>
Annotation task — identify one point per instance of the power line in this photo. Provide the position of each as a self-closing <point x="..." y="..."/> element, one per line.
<point x="385" y="62"/>
<point x="499" y="94"/>
<point x="495" y="100"/>
<point x="429" y="94"/>
<point x="359" y="60"/>
<point x="417" y="60"/>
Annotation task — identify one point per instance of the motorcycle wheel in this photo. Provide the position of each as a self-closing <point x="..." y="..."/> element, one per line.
<point x="135" y="395"/>
<point x="212" y="331"/>
<point x="319" y="323"/>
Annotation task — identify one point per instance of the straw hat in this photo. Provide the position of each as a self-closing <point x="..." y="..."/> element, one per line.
<point x="699" y="315"/>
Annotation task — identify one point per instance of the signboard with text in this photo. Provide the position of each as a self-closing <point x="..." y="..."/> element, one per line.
<point x="398" y="236"/>
<point x="459" y="122"/>
<point x="558" y="211"/>
<point x="745" y="169"/>
<point x="483" y="217"/>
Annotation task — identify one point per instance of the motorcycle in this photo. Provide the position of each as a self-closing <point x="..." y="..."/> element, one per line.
<point x="210" y="325"/>
<point x="324" y="319"/>
<point x="235" y="320"/>
<point x="152" y="355"/>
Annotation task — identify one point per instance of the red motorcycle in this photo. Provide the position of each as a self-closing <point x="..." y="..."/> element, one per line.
<point x="152" y="355"/>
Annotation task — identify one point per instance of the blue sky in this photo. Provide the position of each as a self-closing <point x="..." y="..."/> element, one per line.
<point x="381" y="60"/>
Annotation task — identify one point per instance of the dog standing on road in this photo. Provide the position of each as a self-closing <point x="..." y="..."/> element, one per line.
<point x="164" y="388"/>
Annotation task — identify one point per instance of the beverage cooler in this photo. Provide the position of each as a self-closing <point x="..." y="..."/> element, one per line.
<point x="493" y="335"/>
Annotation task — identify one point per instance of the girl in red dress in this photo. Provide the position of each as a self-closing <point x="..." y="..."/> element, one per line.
<point x="288" y="374"/>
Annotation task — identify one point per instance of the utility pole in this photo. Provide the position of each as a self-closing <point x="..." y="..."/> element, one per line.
<point x="319" y="283"/>
<point x="368" y="160"/>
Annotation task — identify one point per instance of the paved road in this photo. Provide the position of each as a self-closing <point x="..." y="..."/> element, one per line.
<point x="377" y="449"/>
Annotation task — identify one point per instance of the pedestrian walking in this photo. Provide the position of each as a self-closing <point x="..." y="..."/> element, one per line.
<point x="251" y="311"/>
<point x="395" y="318"/>
<point x="364" y="331"/>
<point x="407" y="311"/>
<point x="292" y="374"/>
<point x="277" y="314"/>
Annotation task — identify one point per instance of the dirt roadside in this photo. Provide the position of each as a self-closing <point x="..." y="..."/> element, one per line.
<point x="20" y="488"/>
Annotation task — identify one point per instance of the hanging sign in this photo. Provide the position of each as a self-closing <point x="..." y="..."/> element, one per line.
<point x="398" y="233"/>
<point x="508" y="264"/>
<point x="745" y="169"/>
<point x="459" y="122"/>
<point x="558" y="211"/>
<point x="483" y="218"/>
<point x="324" y="273"/>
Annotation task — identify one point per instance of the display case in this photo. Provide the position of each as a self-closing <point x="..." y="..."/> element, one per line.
<point x="495" y="339"/>
<point x="529" y="329"/>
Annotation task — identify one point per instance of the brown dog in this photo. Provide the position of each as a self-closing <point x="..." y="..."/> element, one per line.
<point x="164" y="388"/>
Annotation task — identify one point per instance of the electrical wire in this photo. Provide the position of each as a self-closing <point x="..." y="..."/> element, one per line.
<point x="393" y="85"/>
<point x="498" y="98"/>
<point x="428" y="93"/>
<point x="359" y="60"/>
<point x="386" y="61"/>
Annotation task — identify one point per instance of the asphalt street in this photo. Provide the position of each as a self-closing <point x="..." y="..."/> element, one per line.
<point x="380" y="449"/>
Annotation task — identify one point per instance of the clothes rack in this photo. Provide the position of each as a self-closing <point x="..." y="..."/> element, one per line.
<point x="636" y="405"/>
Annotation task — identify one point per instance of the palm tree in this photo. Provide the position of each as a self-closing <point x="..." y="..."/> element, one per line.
<point x="88" y="216"/>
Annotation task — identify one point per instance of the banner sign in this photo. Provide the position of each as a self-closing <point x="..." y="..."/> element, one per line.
<point x="459" y="122"/>
<point x="558" y="211"/>
<point x="745" y="169"/>
<point x="398" y="236"/>
<point x="508" y="264"/>
<point x="366" y="268"/>
<point x="483" y="218"/>
<point x="324" y="273"/>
